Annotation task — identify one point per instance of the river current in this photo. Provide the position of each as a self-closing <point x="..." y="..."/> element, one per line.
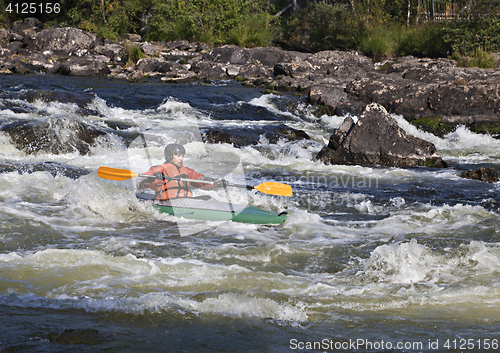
<point x="369" y="258"/>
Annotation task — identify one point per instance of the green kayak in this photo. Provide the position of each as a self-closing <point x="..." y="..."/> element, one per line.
<point x="213" y="210"/>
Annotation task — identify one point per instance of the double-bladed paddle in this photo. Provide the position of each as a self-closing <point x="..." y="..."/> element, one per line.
<point x="269" y="187"/>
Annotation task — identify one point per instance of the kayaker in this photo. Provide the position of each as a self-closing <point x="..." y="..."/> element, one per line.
<point x="173" y="167"/>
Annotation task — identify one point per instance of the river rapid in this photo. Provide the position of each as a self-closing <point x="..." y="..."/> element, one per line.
<point x="369" y="258"/>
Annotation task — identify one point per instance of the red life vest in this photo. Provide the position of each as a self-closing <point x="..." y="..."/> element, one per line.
<point x="171" y="189"/>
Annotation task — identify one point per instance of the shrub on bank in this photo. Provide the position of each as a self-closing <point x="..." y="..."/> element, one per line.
<point x="242" y="22"/>
<point x="381" y="29"/>
<point x="479" y="58"/>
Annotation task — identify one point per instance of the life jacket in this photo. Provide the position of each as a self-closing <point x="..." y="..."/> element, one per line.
<point x="170" y="189"/>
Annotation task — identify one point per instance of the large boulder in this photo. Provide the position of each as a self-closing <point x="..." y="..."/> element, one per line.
<point x="89" y="65"/>
<point x="240" y="137"/>
<point x="63" y="41"/>
<point x="267" y="56"/>
<point x="377" y="139"/>
<point x="209" y="70"/>
<point x="154" y="65"/>
<point x="27" y="25"/>
<point x="489" y="175"/>
<point x="340" y="63"/>
<point x="114" y="51"/>
<point x="53" y="135"/>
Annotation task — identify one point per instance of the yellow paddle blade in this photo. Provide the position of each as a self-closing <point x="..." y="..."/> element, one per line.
<point x="274" y="188"/>
<point x="115" y="173"/>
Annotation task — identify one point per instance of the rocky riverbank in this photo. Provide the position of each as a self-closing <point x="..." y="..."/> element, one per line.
<point x="432" y="93"/>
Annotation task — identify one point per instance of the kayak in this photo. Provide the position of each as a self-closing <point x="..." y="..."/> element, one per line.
<point x="214" y="210"/>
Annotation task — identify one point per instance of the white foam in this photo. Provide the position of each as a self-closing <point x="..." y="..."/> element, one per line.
<point x="94" y="281"/>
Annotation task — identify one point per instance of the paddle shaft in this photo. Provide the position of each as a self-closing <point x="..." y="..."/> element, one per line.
<point x="196" y="181"/>
<point x="271" y="188"/>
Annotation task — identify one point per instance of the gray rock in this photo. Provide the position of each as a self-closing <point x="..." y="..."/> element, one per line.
<point x="29" y="23"/>
<point x="133" y="37"/>
<point x="230" y="54"/>
<point x="154" y="65"/>
<point x="91" y="65"/>
<point x="209" y="70"/>
<point x="251" y="71"/>
<point x="63" y="40"/>
<point x="241" y="137"/>
<point x="4" y="52"/>
<point x="4" y="35"/>
<point x="149" y="49"/>
<point x="377" y="139"/>
<point x="15" y="37"/>
<point x="53" y="135"/>
<point x="489" y="175"/>
<point x="114" y="51"/>
<point x="15" y="47"/>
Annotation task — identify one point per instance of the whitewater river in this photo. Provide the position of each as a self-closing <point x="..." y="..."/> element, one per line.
<point x="369" y="259"/>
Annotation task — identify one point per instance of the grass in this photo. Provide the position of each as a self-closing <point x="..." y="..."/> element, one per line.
<point x="134" y="54"/>
<point x="433" y="125"/>
<point x="479" y="58"/>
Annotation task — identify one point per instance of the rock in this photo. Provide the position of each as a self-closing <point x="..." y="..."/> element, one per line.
<point x="209" y="69"/>
<point x="4" y="52"/>
<point x="15" y="47"/>
<point x="154" y="65"/>
<point x="266" y="56"/>
<point x="269" y="56"/>
<point x="45" y="63"/>
<point x="15" y="37"/>
<point x="377" y="139"/>
<point x="13" y="65"/>
<point x="496" y="56"/>
<point x="181" y="44"/>
<point x="133" y="37"/>
<point x="233" y="70"/>
<point x="287" y="83"/>
<point x="89" y="65"/>
<point x="257" y="70"/>
<point x="293" y="69"/>
<point x="335" y="98"/>
<point x="114" y="51"/>
<point x="489" y="175"/>
<point x="63" y="41"/>
<point x="339" y="63"/>
<point x="19" y="68"/>
<point x="29" y="23"/>
<point x="4" y="35"/>
<point x="240" y="137"/>
<point x="179" y="73"/>
<point x="229" y="54"/>
<point x="59" y="135"/>
<point x="341" y="133"/>
<point x="148" y="49"/>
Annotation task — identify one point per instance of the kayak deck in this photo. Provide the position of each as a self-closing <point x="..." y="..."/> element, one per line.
<point x="214" y="210"/>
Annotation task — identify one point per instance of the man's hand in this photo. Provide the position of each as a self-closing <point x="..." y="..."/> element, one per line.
<point x="159" y="176"/>
<point x="220" y="184"/>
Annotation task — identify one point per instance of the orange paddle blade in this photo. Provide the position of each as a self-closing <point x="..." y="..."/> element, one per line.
<point x="115" y="173"/>
<point x="274" y="188"/>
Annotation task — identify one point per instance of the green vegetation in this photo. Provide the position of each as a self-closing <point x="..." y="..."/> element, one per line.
<point x="134" y="54"/>
<point x="478" y="58"/>
<point x="434" y="125"/>
<point x="466" y="29"/>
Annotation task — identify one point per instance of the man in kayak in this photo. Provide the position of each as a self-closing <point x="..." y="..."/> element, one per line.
<point x="173" y="167"/>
